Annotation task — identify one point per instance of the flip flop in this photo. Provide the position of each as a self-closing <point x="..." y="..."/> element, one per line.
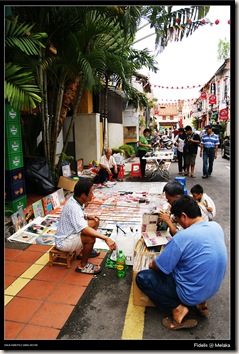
<point x="93" y="254"/>
<point x="203" y="311"/>
<point x="174" y="326"/>
<point x="89" y="268"/>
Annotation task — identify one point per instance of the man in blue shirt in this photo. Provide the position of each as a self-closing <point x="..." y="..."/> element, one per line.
<point x="191" y="268"/>
<point x="209" y="149"/>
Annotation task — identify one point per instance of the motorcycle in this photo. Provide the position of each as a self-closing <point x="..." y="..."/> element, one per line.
<point x="162" y="143"/>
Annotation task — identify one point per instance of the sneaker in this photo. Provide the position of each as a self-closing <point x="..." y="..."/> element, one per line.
<point x="205" y="176"/>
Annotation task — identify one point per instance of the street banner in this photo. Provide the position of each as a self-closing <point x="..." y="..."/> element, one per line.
<point x="223" y="114"/>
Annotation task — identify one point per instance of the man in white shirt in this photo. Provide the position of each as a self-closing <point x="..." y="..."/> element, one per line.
<point x="107" y="167"/>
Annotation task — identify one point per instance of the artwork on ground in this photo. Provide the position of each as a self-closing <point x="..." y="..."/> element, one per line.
<point x="29" y="214"/>
<point x="18" y="219"/>
<point x="47" y="205"/>
<point x="55" y="200"/>
<point x="38" y="208"/>
<point x="61" y="196"/>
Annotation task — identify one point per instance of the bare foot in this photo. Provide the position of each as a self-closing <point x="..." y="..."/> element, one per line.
<point x="179" y="313"/>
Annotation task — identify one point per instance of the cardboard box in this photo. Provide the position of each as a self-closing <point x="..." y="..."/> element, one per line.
<point x="142" y="257"/>
<point x="13" y="161"/>
<point x="13" y="206"/>
<point x="67" y="183"/>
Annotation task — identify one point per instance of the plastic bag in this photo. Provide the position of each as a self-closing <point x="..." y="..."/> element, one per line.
<point x="38" y="176"/>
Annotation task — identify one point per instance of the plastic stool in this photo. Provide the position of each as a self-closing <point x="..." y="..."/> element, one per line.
<point x="135" y="170"/>
<point x="181" y="180"/>
<point x="121" y="171"/>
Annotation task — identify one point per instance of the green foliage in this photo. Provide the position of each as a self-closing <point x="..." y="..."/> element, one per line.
<point x="223" y="49"/>
<point x="129" y="149"/>
<point x="22" y="46"/>
<point x="117" y="150"/>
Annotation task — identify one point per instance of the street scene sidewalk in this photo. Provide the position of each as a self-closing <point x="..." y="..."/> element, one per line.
<point x="43" y="303"/>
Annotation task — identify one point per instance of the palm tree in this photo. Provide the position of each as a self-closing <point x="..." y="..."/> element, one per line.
<point x="77" y="51"/>
<point x="22" y="47"/>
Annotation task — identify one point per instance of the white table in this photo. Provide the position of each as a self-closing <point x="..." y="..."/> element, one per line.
<point x="160" y="165"/>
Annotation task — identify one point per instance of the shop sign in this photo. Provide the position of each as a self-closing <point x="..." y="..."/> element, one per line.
<point x="223" y="113"/>
<point x="203" y="95"/>
<point x="212" y="99"/>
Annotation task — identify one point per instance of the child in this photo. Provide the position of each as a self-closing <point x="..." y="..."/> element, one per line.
<point x="206" y="204"/>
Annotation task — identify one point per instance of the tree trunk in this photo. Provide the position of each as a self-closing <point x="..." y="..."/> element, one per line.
<point x="75" y="111"/>
<point x="68" y="98"/>
<point x="105" y="118"/>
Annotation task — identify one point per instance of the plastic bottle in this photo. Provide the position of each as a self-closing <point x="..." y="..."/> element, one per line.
<point x="120" y="264"/>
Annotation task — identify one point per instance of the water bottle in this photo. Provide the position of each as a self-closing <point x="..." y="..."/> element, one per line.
<point x="120" y="264"/>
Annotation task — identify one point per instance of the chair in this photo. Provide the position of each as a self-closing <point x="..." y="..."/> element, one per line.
<point x="135" y="170"/>
<point x="60" y="257"/>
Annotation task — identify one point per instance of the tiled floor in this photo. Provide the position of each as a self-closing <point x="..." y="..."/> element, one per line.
<point x="39" y="298"/>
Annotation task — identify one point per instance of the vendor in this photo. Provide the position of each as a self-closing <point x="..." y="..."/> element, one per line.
<point x="143" y="148"/>
<point x="107" y="167"/>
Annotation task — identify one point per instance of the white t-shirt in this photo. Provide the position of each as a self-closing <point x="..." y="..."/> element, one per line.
<point x="108" y="163"/>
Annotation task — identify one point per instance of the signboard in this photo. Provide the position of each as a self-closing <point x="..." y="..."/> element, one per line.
<point x="212" y="99"/>
<point x="203" y="95"/>
<point x="223" y="114"/>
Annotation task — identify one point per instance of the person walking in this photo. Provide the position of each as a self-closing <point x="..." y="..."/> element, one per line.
<point x="143" y="148"/>
<point x="190" y="269"/>
<point x="209" y="149"/>
<point x="179" y="143"/>
<point x="191" y="144"/>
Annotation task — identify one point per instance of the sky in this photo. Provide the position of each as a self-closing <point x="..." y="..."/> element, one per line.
<point x="190" y="62"/>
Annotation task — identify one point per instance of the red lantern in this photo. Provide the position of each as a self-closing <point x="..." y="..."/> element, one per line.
<point x="203" y="21"/>
<point x="229" y="22"/>
<point x="177" y="20"/>
<point x="217" y="22"/>
<point x="189" y="21"/>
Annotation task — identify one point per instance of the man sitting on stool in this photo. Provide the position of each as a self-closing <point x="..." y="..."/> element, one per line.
<point x="108" y="167"/>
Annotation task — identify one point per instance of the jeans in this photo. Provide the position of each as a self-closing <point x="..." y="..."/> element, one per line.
<point x="180" y="161"/>
<point x="208" y="159"/>
<point x="159" y="287"/>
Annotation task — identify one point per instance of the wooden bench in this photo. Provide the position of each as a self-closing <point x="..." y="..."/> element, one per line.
<point x="60" y="257"/>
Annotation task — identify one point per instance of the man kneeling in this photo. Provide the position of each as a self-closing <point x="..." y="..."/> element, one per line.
<point x="191" y="268"/>
<point x="77" y="232"/>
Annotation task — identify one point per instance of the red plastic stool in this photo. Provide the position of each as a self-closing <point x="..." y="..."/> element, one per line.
<point x="135" y="170"/>
<point x="121" y="172"/>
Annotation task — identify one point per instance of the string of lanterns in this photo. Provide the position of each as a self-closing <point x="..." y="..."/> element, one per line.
<point x="182" y="87"/>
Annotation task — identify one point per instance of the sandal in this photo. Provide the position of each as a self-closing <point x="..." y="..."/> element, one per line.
<point x="174" y="326"/>
<point x="192" y="176"/>
<point x="93" y="254"/>
<point x="203" y="311"/>
<point x="89" y="268"/>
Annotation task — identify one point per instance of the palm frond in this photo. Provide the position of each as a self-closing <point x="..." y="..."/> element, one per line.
<point x="17" y="88"/>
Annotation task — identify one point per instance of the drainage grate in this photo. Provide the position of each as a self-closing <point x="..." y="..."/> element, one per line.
<point x="17" y="245"/>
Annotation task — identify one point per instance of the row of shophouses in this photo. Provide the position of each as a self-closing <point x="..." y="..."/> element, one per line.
<point x="125" y="122"/>
<point x="211" y="106"/>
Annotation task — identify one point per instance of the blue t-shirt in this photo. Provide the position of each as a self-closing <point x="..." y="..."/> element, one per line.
<point x="197" y="258"/>
<point x="210" y="141"/>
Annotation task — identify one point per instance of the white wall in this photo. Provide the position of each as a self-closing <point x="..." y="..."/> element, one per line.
<point x="116" y="135"/>
<point x="87" y="137"/>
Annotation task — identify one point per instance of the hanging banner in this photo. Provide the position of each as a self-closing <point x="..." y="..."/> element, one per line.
<point x="212" y="99"/>
<point x="223" y="113"/>
<point x="203" y="95"/>
<point x="213" y="88"/>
